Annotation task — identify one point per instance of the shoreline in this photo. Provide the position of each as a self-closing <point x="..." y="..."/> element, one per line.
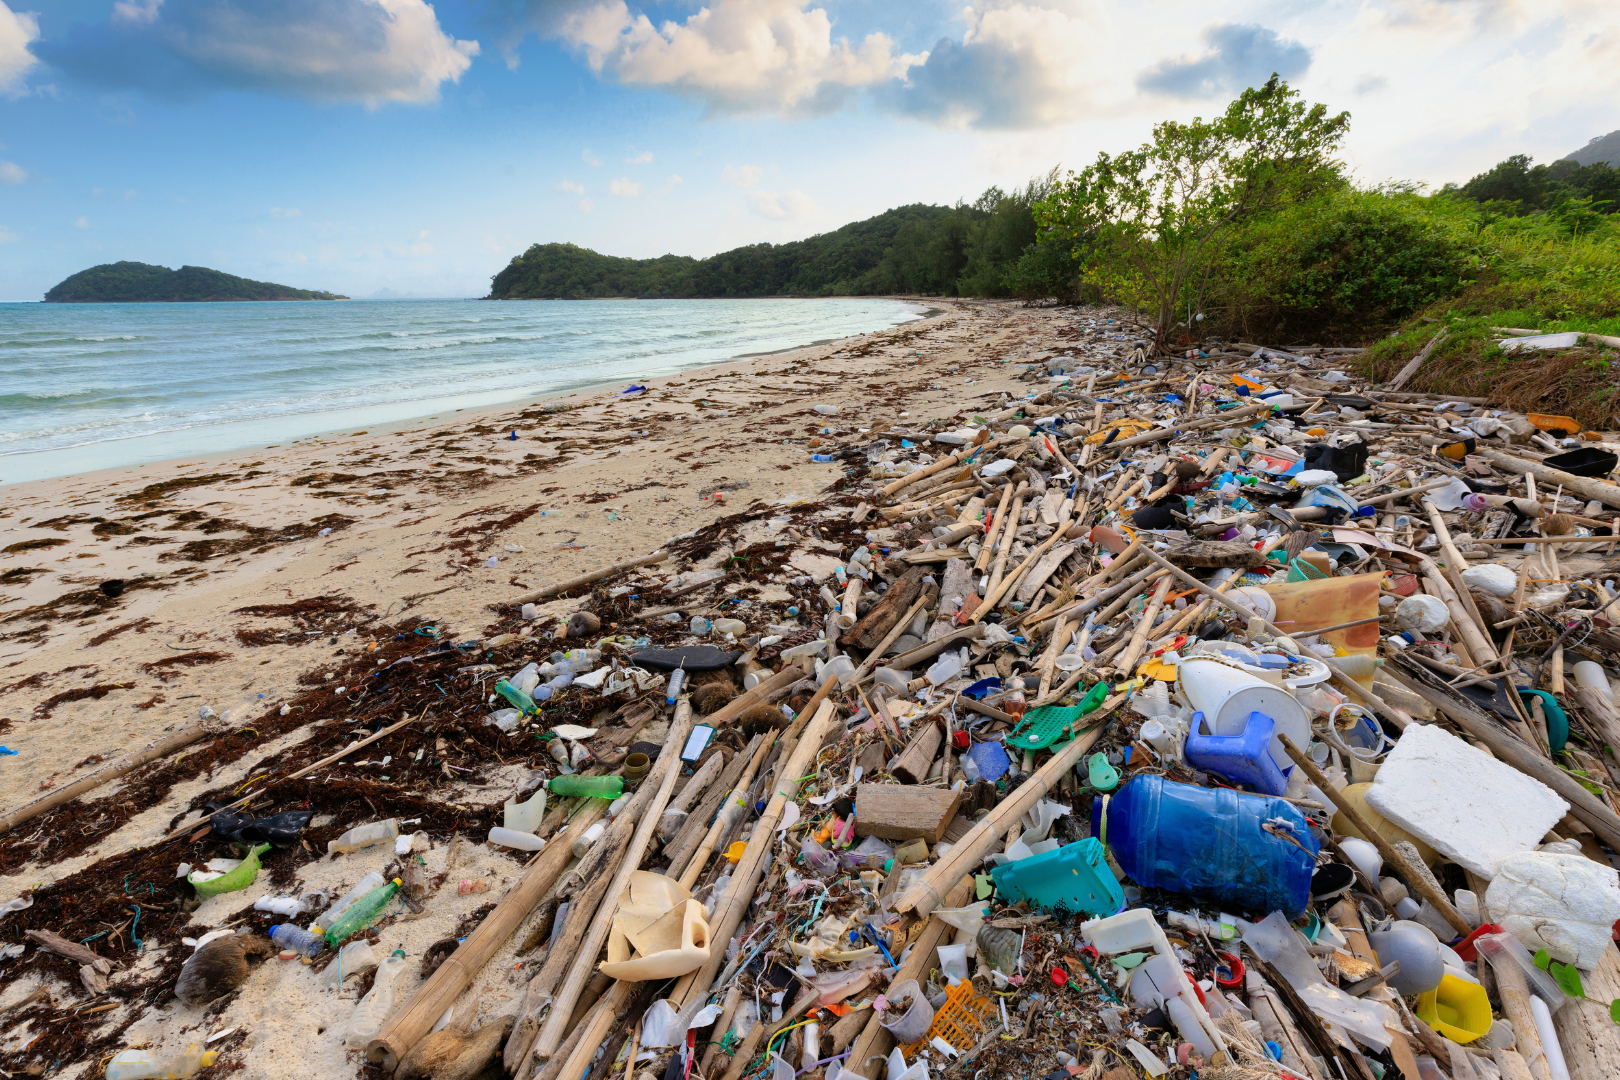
<point x="246" y="446"/>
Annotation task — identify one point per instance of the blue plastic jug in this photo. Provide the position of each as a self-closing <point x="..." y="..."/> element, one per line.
<point x="1210" y="843"/>
<point x="1243" y="759"/>
<point x="1075" y="877"/>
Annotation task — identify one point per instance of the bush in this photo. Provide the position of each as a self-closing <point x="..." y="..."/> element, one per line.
<point x="1344" y="263"/>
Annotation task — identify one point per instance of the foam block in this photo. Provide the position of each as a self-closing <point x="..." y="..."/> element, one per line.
<point x="1564" y="903"/>
<point x="1462" y="802"/>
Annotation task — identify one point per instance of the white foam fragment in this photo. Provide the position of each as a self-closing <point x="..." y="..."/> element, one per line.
<point x="1564" y="903"/>
<point x="1462" y="802"/>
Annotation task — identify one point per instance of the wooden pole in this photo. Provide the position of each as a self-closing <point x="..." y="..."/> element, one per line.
<point x="585" y="579"/>
<point x="724" y="820"/>
<point x="988" y="545"/>
<point x="1133" y="651"/>
<point x="551" y="1035"/>
<point x="1416" y="362"/>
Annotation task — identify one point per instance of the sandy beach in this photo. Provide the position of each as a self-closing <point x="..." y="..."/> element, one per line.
<point x="255" y="579"/>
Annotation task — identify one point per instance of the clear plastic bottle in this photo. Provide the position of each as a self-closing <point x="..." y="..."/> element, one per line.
<point x="518" y="698"/>
<point x="374" y="1008"/>
<point x="290" y="938"/>
<point x="596" y="787"/>
<point x="677" y="680"/>
<point x="527" y="679"/>
<point x="335" y="912"/>
<point x="361" y="912"/>
<point x="364" y="836"/>
<point x="145" y="1064"/>
<point x="352" y="959"/>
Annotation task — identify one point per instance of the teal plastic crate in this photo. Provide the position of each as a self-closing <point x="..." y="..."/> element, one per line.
<point x="1075" y="878"/>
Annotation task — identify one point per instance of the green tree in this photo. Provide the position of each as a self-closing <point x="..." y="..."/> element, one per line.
<point x="1153" y="215"/>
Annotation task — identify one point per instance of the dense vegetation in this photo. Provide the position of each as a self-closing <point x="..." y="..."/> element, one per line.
<point x="987" y="248"/>
<point x="133" y="282"/>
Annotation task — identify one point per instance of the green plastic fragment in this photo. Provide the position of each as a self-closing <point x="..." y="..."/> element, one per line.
<point x="1042" y="727"/>
<point x="983" y="886"/>
<point x="1104" y="777"/>
<point x="239" y="878"/>
<point x="1128" y="960"/>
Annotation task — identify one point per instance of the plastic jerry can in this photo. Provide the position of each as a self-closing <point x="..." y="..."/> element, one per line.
<point x="1244" y="758"/>
<point x="1075" y="878"/>
<point x="1254" y="853"/>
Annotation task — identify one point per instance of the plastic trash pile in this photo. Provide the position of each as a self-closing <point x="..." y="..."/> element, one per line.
<point x="1216" y="715"/>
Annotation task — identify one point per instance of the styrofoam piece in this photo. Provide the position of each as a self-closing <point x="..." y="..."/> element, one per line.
<point x="1566" y="340"/>
<point x="1493" y="578"/>
<point x="1566" y="904"/>
<point x="1469" y="807"/>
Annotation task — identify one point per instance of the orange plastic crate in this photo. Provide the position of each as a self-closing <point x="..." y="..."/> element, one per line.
<point x="961" y="1021"/>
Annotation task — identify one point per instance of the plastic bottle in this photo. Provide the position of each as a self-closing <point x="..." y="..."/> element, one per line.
<point x="352" y="959"/>
<point x="587" y="838"/>
<point x="159" y="1064"/>
<point x="526" y="679"/>
<point x="1210" y="843"/>
<point x="361" y="912"/>
<point x="290" y="938"/>
<point x="518" y="699"/>
<point x="583" y="659"/>
<point x="347" y="900"/>
<point x="511" y="838"/>
<point x="374" y="1008"/>
<point x="677" y="679"/>
<point x="945" y="669"/>
<point x="596" y="787"/>
<point x="288" y="906"/>
<point x="364" y="836"/>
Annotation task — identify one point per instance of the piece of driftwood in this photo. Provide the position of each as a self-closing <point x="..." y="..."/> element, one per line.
<point x="688" y="863"/>
<point x="1214" y="553"/>
<point x="61" y="946"/>
<point x="904" y="812"/>
<point x="1585" y="486"/>
<point x="883" y="615"/>
<point x="1417" y="361"/>
<point x="585" y="579"/>
<point x="911" y="765"/>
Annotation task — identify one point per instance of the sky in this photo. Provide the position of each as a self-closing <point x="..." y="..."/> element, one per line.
<point x="364" y="146"/>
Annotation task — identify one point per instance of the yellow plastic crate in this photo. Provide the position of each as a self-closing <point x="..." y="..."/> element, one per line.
<point x="961" y="1021"/>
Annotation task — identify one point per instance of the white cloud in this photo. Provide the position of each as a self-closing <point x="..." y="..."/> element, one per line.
<point x="672" y="179"/>
<point x="285" y="212"/>
<point x="7" y="236"/>
<point x="625" y="189"/>
<point x="781" y="207"/>
<point x="568" y="187"/>
<point x="17" y="30"/>
<point x="82" y="223"/>
<point x="11" y="173"/>
<point x="589" y="158"/>
<point x="744" y="176"/>
<point x="733" y="55"/>
<point x="136" y="12"/>
<point x="643" y="158"/>
<point x="586" y="206"/>
<point x="374" y="52"/>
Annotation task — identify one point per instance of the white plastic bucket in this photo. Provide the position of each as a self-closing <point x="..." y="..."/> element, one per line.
<point x="1226" y="696"/>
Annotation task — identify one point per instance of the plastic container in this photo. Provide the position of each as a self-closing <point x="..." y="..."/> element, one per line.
<point x="839" y="667"/>
<point x="944" y="669"/>
<point x="1457" y="1009"/>
<point x="519" y="699"/>
<point x="1209" y="843"/>
<point x="512" y="838"/>
<point x="916" y="1020"/>
<point x="290" y="938"/>
<point x="1075" y="878"/>
<point x="1417" y="950"/>
<point x="230" y="881"/>
<point x="144" y="1064"/>
<point x="353" y="959"/>
<point x="361" y="912"/>
<point x="286" y="906"/>
<point x="1226" y="696"/>
<point x="364" y="836"/>
<point x="894" y="679"/>
<point x="1504" y="948"/>
<point x="677" y="681"/>
<point x="374" y="1008"/>
<point x="587" y="838"/>
<point x="525" y="816"/>
<point x="1587" y="461"/>
<point x="1244" y="758"/>
<point x="344" y="902"/>
<point x="596" y="787"/>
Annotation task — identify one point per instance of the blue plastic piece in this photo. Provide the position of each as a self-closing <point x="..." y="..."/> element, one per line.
<point x="1211" y="843"/>
<point x="991" y="758"/>
<point x="1075" y="877"/>
<point x="1242" y="759"/>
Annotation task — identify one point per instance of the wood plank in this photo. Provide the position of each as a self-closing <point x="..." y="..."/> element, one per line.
<point x="911" y="764"/>
<point x="877" y="622"/>
<point x="902" y="812"/>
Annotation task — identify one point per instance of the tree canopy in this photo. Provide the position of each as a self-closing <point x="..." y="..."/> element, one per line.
<point x="135" y="282"/>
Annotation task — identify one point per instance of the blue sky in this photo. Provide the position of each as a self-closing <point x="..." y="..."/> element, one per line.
<point x="362" y="145"/>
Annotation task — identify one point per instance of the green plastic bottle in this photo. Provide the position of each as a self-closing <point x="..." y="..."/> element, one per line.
<point x="361" y="912"/>
<point x="596" y="787"/>
<point x="518" y="698"/>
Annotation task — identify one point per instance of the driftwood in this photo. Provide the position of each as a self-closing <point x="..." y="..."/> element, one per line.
<point x="689" y="842"/>
<point x="1417" y="361"/>
<point x="585" y="579"/>
<point x="70" y="949"/>
<point x="886" y="612"/>
<point x="1214" y="553"/>
<point x="1605" y="493"/>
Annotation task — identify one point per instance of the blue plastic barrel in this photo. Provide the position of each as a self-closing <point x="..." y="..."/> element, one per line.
<point x="1210" y="843"/>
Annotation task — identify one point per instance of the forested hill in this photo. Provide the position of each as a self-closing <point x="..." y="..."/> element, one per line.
<point x="844" y="262"/>
<point x="133" y="282"/>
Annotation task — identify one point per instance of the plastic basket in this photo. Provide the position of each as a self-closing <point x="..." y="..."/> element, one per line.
<point x="961" y="1021"/>
<point x="1300" y="570"/>
<point x="1042" y="727"/>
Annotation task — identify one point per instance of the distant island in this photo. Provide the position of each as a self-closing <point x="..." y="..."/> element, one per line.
<point x="143" y="283"/>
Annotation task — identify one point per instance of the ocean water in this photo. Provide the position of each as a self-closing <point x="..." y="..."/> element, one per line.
<point x="94" y="386"/>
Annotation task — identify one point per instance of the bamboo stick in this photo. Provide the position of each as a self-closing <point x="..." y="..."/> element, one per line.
<point x="551" y="1034"/>
<point x="993" y="533"/>
<point x="730" y="810"/>
<point x="1133" y="651"/>
<point x="682" y="845"/>
<point x="585" y="579"/>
